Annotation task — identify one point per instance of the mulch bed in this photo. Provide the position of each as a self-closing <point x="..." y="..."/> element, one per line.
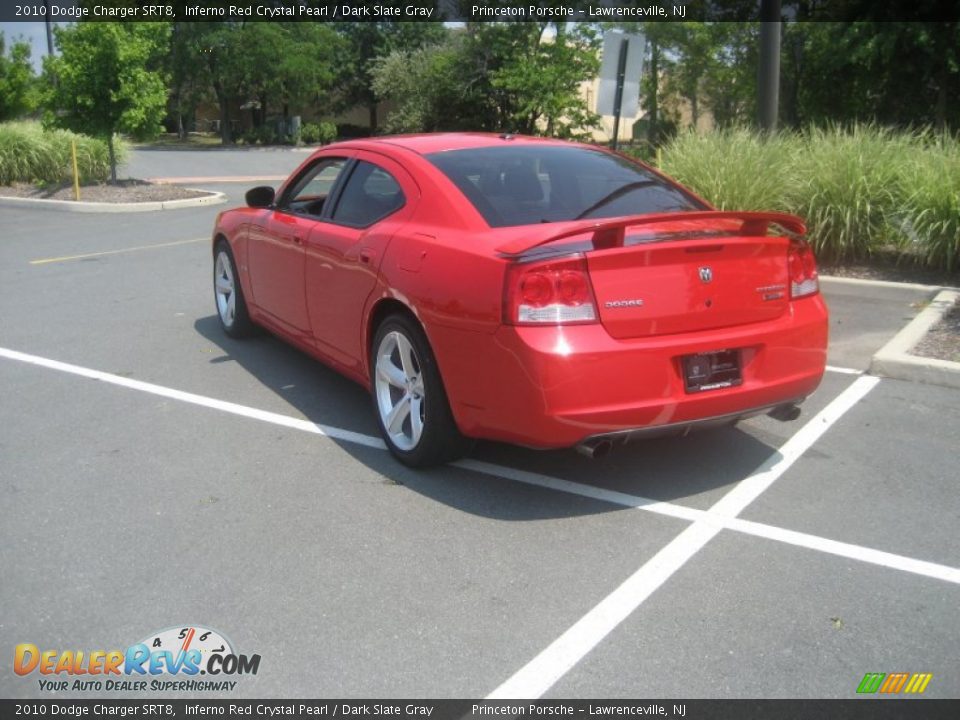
<point x="888" y="268"/>
<point x="125" y="191"/>
<point x="943" y="340"/>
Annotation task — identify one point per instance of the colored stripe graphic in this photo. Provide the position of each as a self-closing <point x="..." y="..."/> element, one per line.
<point x="893" y="683"/>
<point x="871" y="682"/>
<point x="918" y="683"/>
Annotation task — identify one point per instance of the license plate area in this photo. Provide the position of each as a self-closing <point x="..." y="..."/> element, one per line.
<point x="711" y="371"/>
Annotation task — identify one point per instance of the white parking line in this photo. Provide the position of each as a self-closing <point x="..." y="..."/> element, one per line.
<point x="539" y="675"/>
<point x="746" y="527"/>
<point x="194" y="399"/>
<point x="567" y="650"/>
<point x="614" y="497"/>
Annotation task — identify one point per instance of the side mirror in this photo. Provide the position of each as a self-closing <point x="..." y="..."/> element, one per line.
<point x="260" y="197"/>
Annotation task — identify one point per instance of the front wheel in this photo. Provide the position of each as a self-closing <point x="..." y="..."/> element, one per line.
<point x="409" y="398"/>
<point x="231" y="306"/>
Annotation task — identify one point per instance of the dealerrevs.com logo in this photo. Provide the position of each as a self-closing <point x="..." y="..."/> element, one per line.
<point x="171" y="659"/>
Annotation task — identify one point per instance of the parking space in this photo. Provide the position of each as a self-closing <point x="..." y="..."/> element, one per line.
<point x="752" y="618"/>
<point x="127" y="506"/>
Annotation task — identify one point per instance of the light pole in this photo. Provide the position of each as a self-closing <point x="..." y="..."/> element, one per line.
<point x="768" y="81"/>
<point x="46" y="17"/>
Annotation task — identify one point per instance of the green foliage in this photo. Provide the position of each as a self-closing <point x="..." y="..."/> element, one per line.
<point x="734" y="169"/>
<point x="847" y="188"/>
<point x="18" y="93"/>
<point x="322" y="132"/>
<point x="30" y="154"/>
<point x="894" y="73"/>
<point x="859" y="189"/>
<point x="539" y="86"/>
<point x="930" y="188"/>
<point x="262" y="135"/>
<point x="424" y="85"/>
<point x="265" y="66"/>
<point x="511" y="77"/>
<point x="106" y="80"/>
<point x="364" y="44"/>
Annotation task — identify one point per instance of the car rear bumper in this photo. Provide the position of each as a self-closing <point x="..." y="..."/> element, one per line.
<point x="559" y="386"/>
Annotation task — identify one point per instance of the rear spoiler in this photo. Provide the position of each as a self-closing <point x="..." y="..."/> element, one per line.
<point x="611" y="233"/>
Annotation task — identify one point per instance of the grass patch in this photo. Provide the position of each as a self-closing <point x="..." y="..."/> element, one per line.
<point x="30" y="154"/>
<point x="860" y="189"/>
<point x="191" y="141"/>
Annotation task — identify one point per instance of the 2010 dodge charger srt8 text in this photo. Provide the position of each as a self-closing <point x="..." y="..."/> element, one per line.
<point x="526" y="290"/>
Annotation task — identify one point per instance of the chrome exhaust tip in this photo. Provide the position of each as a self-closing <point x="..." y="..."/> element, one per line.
<point x="595" y="449"/>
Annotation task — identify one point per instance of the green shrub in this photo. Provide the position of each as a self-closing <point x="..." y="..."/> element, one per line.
<point x="735" y="169"/>
<point x="323" y="132"/>
<point x="859" y="189"/>
<point x="30" y="154"/>
<point x="930" y="221"/>
<point x="847" y="188"/>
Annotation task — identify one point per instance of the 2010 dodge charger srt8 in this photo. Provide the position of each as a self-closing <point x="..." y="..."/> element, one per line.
<point x="526" y="290"/>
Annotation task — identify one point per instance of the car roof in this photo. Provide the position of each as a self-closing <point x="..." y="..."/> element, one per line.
<point x="426" y="143"/>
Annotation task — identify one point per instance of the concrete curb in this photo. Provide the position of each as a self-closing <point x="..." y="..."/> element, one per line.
<point x="894" y="360"/>
<point x="881" y="283"/>
<point x="211" y="198"/>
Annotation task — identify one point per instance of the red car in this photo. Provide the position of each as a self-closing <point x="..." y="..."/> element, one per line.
<point x="526" y="290"/>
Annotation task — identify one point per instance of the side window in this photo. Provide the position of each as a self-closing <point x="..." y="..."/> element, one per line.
<point x="370" y="194"/>
<point x="308" y="195"/>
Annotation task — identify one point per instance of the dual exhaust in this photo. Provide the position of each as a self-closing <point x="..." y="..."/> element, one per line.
<point x="596" y="448"/>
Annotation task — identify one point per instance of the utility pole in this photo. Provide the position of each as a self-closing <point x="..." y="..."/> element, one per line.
<point x="768" y="82"/>
<point x="46" y="5"/>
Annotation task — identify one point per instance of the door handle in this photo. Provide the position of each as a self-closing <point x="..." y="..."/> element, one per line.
<point x="297" y="240"/>
<point x="366" y="256"/>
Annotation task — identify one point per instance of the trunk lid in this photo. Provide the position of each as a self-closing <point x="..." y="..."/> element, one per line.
<point x="679" y="286"/>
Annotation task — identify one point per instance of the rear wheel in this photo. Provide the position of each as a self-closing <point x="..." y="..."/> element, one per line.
<point x="409" y="399"/>
<point x="231" y="306"/>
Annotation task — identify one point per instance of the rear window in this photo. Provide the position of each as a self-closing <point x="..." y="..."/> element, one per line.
<point x="524" y="185"/>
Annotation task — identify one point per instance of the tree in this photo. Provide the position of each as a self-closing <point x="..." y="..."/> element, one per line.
<point x="893" y="73"/>
<point x="426" y="86"/>
<point x="536" y="79"/>
<point x="364" y="43"/>
<point x="513" y="77"/>
<point x="106" y="80"/>
<point x="17" y="81"/>
<point x="284" y="64"/>
<point x="187" y="69"/>
<point x="263" y="65"/>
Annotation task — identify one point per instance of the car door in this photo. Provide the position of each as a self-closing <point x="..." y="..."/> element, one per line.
<point x="276" y="245"/>
<point x="343" y="253"/>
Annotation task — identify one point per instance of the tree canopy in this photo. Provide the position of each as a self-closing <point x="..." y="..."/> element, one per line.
<point x="524" y="77"/>
<point x="511" y="77"/>
<point x="107" y="80"/>
<point x="17" y="81"/>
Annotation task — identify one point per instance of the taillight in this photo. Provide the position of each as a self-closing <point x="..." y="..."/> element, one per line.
<point x="802" y="266"/>
<point x="553" y="292"/>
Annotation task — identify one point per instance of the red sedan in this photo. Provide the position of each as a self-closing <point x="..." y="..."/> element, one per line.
<point x="526" y="290"/>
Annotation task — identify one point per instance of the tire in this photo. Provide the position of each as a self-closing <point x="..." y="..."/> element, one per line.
<point x="228" y="295"/>
<point x="409" y="399"/>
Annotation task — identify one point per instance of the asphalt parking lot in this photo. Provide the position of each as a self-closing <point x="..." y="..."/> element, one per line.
<point x="154" y="473"/>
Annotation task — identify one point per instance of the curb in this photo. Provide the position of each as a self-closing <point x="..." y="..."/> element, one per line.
<point x="894" y="360"/>
<point x="865" y="282"/>
<point x="211" y="198"/>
